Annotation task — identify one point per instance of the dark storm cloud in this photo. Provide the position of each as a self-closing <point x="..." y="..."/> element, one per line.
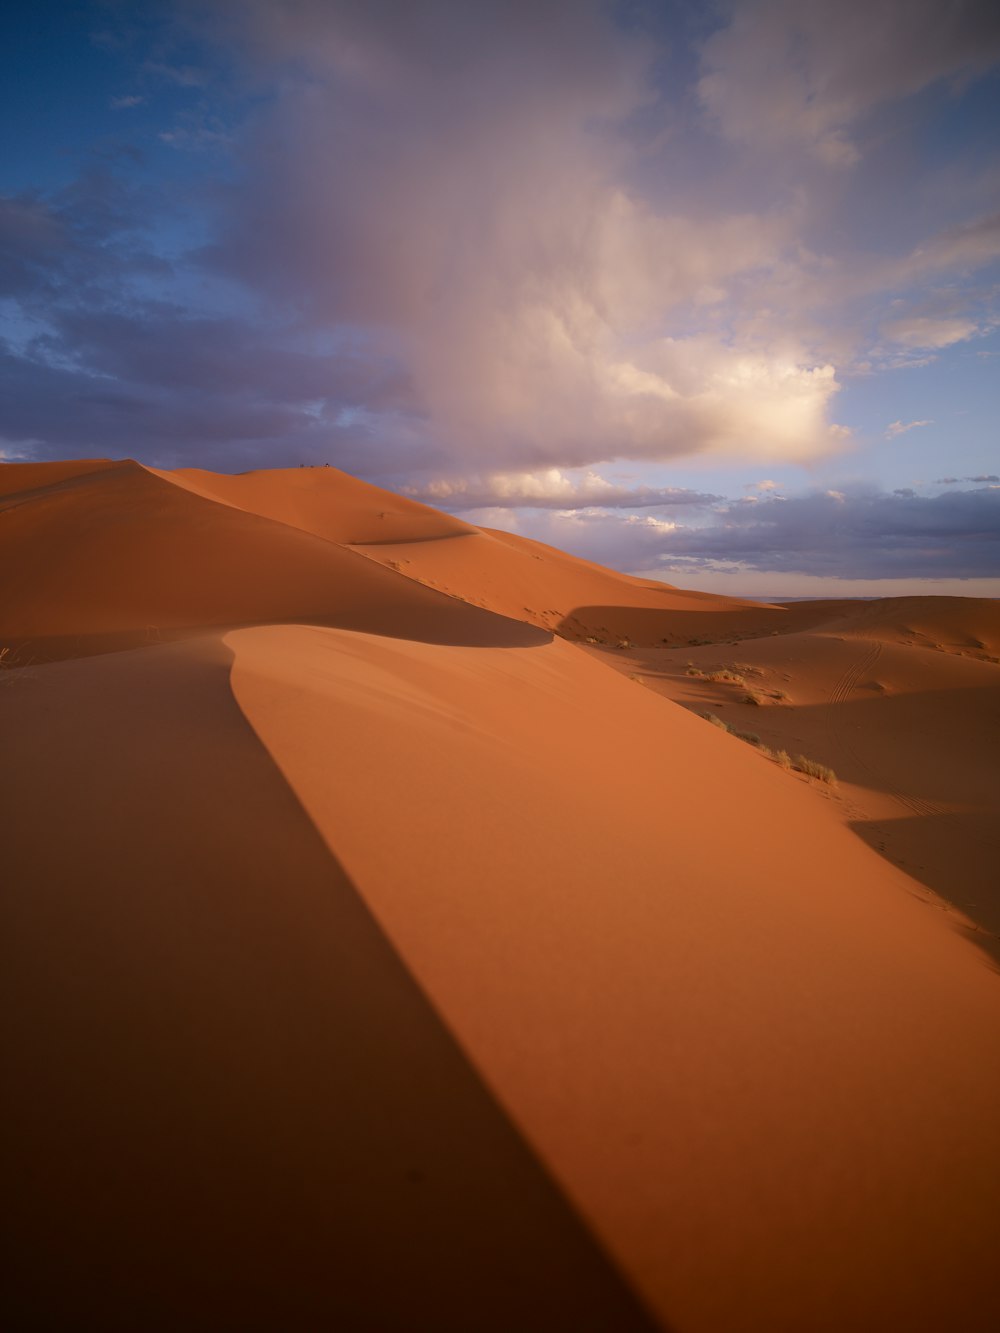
<point x="95" y="364"/>
<point x="163" y="415"/>
<point x="861" y="534"/>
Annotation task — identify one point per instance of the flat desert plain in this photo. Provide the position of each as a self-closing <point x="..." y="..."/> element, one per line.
<point x="393" y="943"/>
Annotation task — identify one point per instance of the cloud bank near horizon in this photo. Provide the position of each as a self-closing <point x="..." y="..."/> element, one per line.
<point x="861" y="534"/>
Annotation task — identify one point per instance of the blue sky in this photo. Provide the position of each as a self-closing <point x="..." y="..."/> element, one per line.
<point x="706" y="291"/>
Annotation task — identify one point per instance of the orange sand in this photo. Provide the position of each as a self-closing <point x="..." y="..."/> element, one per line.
<point x="380" y="960"/>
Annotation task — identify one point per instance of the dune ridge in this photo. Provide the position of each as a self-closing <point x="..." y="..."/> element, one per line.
<point x="384" y="954"/>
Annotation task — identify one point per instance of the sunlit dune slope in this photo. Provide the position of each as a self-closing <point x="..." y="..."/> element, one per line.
<point x="323" y="501"/>
<point x="954" y="624"/>
<point x="124" y="552"/>
<point x="672" y="964"/>
<point x="901" y="698"/>
<point x="384" y="961"/>
<point x="528" y="580"/>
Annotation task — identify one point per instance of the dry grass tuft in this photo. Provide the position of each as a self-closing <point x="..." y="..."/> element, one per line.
<point x="781" y="757"/>
<point x="716" y="721"/>
<point x="813" y="769"/>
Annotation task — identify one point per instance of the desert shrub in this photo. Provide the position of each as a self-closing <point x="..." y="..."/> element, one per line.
<point x="752" y="697"/>
<point x="716" y="721"/>
<point x="725" y="677"/>
<point x="813" y="769"/>
<point x="695" y="673"/>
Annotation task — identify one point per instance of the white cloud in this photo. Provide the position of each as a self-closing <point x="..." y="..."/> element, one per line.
<point x="897" y="428"/>
<point x="125" y="103"/>
<point x="966" y="247"/>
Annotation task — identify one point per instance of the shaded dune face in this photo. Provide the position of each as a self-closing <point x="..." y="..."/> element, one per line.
<point x="379" y="958"/>
<point x="228" y="1104"/>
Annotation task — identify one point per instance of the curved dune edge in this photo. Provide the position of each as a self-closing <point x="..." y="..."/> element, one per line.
<point x="767" y="1077"/>
<point x="230" y="1106"/>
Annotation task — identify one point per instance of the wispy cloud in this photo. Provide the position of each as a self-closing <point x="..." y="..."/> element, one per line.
<point x="924" y="331"/>
<point x="551" y="488"/>
<point x="125" y="102"/>
<point x="897" y="428"/>
<point x="783" y="73"/>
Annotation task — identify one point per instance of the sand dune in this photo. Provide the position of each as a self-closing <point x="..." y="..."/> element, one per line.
<point x="384" y="960"/>
<point x="123" y="554"/>
<point x="901" y="698"/>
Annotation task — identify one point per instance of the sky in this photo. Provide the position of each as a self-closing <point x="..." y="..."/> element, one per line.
<point x="704" y="291"/>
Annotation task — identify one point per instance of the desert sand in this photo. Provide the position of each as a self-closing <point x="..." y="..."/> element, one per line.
<point x="391" y="945"/>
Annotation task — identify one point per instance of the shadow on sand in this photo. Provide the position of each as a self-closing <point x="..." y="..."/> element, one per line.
<point x="230" y="1106"/>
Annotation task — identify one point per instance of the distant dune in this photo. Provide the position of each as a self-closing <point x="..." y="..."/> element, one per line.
<point x="391" y="945"/>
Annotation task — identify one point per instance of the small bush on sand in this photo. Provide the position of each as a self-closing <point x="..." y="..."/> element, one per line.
<point x="694" y="673"/>
<point x="750" y="737"/>
<point x="716" y="721"/>
<point x="781" y="757"/>
<point x="725" y="677"/>
<point x="814" y="770"/>
<point x="753" y="697"/>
